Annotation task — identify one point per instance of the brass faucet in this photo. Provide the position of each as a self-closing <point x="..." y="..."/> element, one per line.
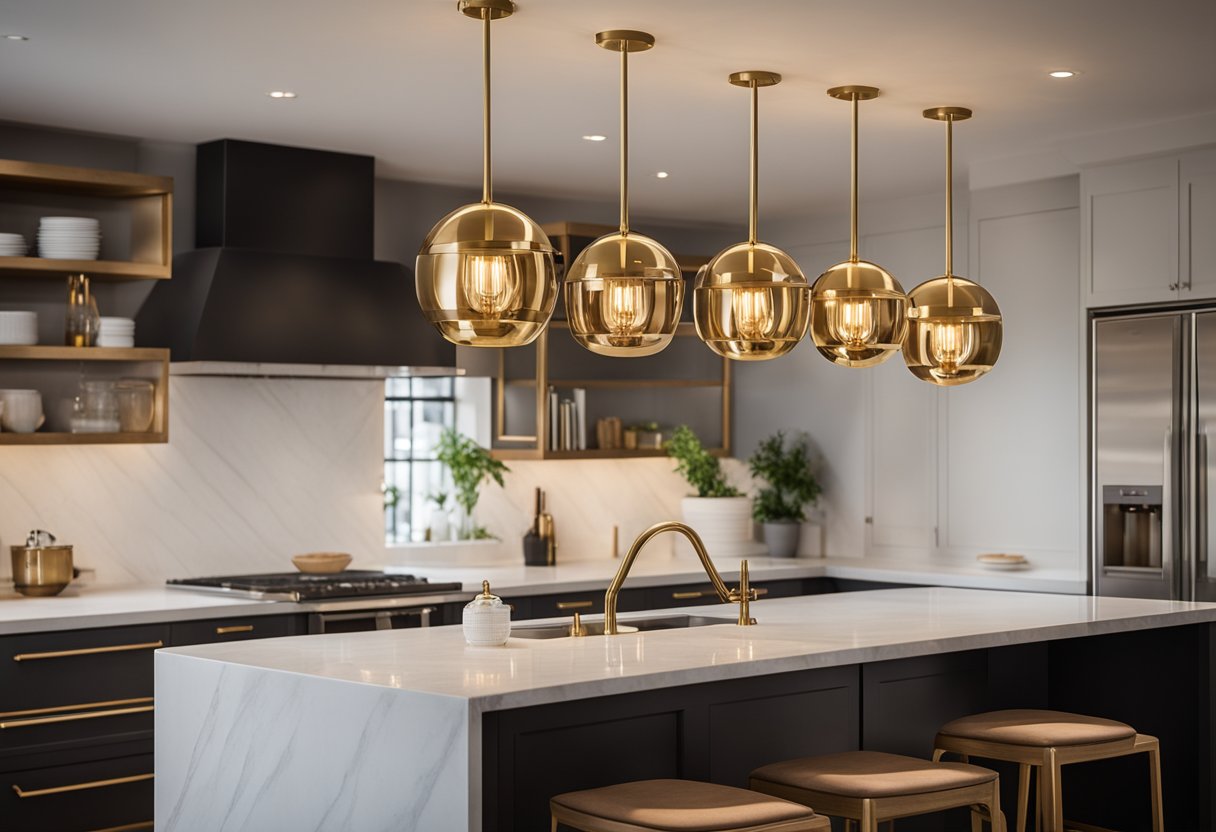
<point x="742" y="596"/>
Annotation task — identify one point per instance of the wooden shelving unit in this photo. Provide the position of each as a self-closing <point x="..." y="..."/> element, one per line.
<point x="135" y="212"/>
<point x="686" y="383"/>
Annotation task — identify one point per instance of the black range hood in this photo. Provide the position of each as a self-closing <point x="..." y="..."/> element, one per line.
<point x="283" y="281"/>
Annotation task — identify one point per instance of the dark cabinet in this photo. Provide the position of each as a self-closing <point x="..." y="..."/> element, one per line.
<point x="236" y="629"/>
<point x="108" y="794"/>
<point x="694" y="595"/>
<point x="566" y="604"/>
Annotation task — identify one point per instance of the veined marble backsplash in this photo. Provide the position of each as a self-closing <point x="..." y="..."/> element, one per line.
<point x="256" y="470"/>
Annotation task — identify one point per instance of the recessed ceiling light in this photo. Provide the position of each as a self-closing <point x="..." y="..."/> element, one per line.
<point x="595" y="138"/>
<point x="281" y="94"/>
<point x="15" y="37"/>
<point x="1062" y="73"/>
<point x="662" y="174"/>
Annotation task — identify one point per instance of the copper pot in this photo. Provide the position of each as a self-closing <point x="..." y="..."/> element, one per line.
<point x="41" y="569"/>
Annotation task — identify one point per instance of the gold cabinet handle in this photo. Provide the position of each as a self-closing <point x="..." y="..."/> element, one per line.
<point x="574" y="605"/>
<point x="686" y="596"/>
<point x="75" y="717"/>
<point x="759" y="590"/>
<point x="235" y="628"/>
<point x="75" y="787"/>
<point x="81" y="706"/>
<point x="88" y="651"/>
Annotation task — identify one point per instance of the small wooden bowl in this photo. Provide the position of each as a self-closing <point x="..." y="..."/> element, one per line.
<point x="320" y="563"/>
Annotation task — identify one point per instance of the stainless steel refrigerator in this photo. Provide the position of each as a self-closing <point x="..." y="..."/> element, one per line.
<point x="1153" y="411"/>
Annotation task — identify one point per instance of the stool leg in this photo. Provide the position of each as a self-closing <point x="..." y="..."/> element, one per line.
<point x="553" y="828"/>
<point x="1049" y="780"/>
<point x="868" y="822"/>
<point x="1023" y="795"/>
<point x="977" y="821"/>
<point x="994" y="809"/>
<point x="1154" y="778"/>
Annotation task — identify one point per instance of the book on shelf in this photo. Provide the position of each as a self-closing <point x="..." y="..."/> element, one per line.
<point x="568" y="421"/>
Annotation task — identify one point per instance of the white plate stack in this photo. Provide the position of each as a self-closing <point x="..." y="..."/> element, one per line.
<point x="19" y="328"/>
<point x="12" y="245"/>
<point x="69" y="238"/>
<point x="116" y="332"/>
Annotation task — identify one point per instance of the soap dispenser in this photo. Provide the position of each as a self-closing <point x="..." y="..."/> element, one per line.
<point x="487" y="620"/>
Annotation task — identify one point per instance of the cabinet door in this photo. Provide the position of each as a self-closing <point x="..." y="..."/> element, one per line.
<point x="103" y="795"/>
<point x="236" y="629"/>
<point x="1197" y="210"/>
<point x="1130" y="232"/>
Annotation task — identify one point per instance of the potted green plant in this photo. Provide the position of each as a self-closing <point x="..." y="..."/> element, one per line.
<point x="718" y="512"/>
<point x="470" y="465"/>
<point x="438" y="527"/>
<point x="790" y="485"/>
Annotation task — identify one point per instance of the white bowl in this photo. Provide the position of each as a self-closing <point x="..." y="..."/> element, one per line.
<point x="19" y="328"/>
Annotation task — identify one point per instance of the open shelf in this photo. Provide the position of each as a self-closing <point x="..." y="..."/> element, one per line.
<point x="147" y="438"/>
<point x="38" y="176"/>
<point x="97" y="269"/>
<point x="508" y="454"/>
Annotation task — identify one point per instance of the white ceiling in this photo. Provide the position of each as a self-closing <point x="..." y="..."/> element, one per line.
<point x="400" y="79"/>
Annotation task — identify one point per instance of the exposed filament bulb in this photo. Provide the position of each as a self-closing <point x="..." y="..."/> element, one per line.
<point x="490" y="284"/>
<point x="853" y="322"/>
<point x="624" y="307"/>
<point x="953" y="345"/>
<point x="753" y="312"/>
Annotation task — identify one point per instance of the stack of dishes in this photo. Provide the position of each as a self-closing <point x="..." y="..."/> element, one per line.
<point x="69" y="238"/>
<point x="12" y="245"/>
<point x="19" y="328"/>
<point x="116" y="332"/>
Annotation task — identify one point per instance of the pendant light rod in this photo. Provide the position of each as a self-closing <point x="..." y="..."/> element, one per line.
<point x="853" y="93"/>
<point x="754" y="79"/>
<point x="949" y="115"/>
<point x="624" y="142"/>
<point x="485" y="11"/>
<point x="486" y="188"/>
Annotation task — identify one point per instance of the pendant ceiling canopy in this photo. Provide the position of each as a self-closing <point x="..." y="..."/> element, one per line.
<point x="858" y="310"/>
<point x="955" y="325"/>
<point x="485" y="273"/>
<point x="624" y="291"/>
<point x="751" y="301"/>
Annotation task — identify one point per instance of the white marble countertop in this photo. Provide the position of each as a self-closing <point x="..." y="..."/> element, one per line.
<point x="792" y="634"/>
<point x="114" y="606"/>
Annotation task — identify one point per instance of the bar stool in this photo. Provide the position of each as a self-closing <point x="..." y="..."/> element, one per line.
<point x="1045" y="741"/>
<point x="871" y="787"/>
<point x="680" y="806"/>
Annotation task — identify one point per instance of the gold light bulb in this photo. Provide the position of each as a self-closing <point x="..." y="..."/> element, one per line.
<point x="624" y="310"/>
<point x="852" y="322"/>
<point x="953" y="346"/>
<point x="490" y="284"/>
<point x="754" y="315"/>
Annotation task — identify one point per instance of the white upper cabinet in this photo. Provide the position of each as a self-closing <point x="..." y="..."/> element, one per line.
<point x="1130" y="233"/>
<point x="1197" y="213"/>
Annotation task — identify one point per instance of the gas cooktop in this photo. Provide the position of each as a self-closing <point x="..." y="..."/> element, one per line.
<point x="297" y="586"/>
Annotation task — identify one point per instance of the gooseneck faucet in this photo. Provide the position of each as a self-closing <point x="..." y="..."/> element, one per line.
<point x="742" y="596"/>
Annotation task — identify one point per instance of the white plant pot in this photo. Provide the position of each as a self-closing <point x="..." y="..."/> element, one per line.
<point x="724" y="525"/>
<point x="454" y="553"/>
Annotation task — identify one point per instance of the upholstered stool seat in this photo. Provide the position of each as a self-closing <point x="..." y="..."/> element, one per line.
<point x="1045" y="741"/>
<point x="680" y="806"/>
<point x="872" y="786"/>
<point x="1039" y="728"/>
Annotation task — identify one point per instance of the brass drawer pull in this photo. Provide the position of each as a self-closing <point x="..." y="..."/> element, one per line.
<point x="88" y="651"/>
<point x="128" y="827"/>
<point x="235" y="628"/>
<point x="686" y="596"/>
<point x="83" y="706"/>
<point x="574" y="605"/>
<point x="759" y="590"/>
<point x="75" y="787"/>
<point x="50" y="720"/>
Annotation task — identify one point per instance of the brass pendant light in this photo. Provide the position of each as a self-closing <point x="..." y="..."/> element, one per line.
<point x="625" y="290"/>
<point x="485" y="273"/>
<point x="751" y="300"/>
<point x="955" y="326"/>
<point x="858" y="310"/>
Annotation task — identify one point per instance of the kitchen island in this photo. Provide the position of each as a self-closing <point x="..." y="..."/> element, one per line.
<point x="405" y="730"/>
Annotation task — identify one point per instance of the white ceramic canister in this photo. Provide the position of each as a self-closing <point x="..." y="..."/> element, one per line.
<point x="487" y="620"/>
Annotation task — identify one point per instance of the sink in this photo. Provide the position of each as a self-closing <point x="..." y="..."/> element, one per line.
<point x="596" y="628"/>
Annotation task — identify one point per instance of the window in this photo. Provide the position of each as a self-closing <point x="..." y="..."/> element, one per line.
<point x="416" y="410"/>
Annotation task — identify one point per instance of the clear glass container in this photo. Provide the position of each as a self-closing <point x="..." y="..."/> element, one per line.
<point x="858" y="314"/>
<point x="486" y="621"/>
<point x="955" y="331"/>
<point x="486" y="277"/>
<point x="136" y="404"/>
<point x="624" y="294"/>
<point x="751" y="303"/>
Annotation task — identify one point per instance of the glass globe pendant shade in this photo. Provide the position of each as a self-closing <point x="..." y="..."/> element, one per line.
<point x="486" y="277"/>
<point x="624" y="293"/>
<point x="858" y="314"/>
<point x="750" y="303"/>
<point x="954" y="331"/>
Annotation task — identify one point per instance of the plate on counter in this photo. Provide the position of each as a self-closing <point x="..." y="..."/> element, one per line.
<point x="1002" y="561"/>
